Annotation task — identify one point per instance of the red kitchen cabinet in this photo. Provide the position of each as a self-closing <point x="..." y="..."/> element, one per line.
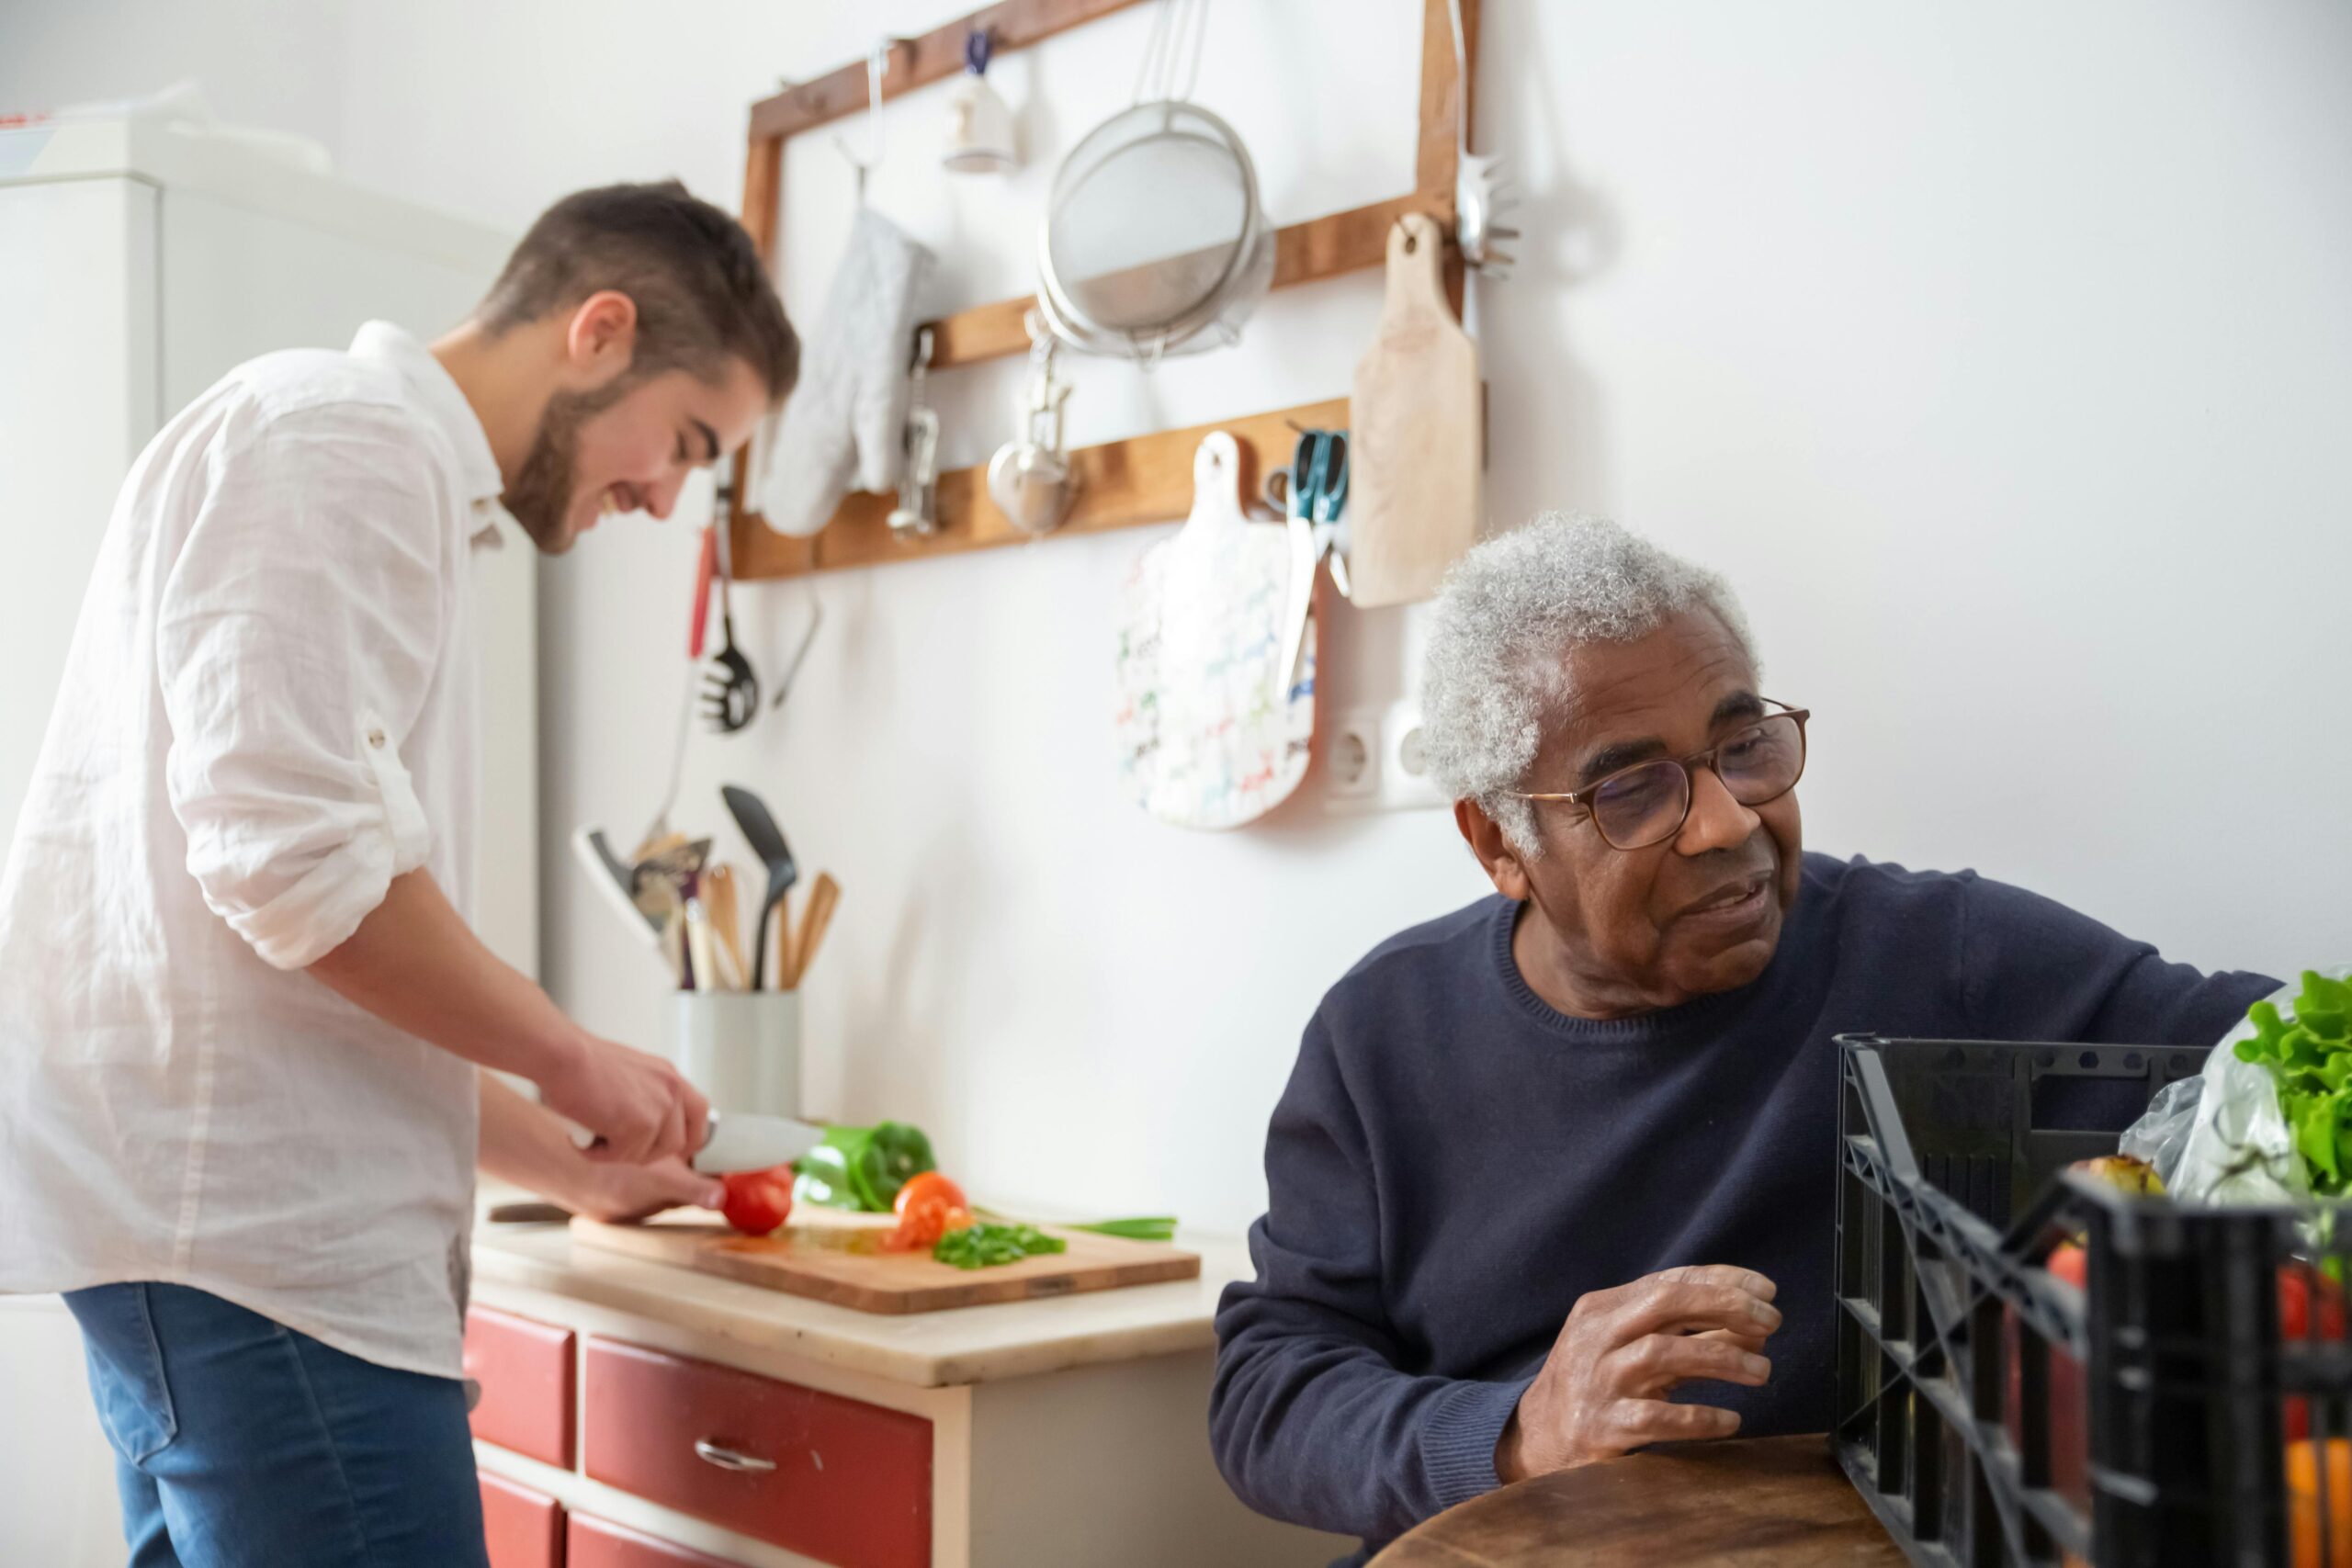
<point x="524" y="1528"/>
<point x="834" y="1479"/>
<point x="595" y="1544"/>
<point x="525" y="1369"/>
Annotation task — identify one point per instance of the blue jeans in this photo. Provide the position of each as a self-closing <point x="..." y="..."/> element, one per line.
<point x="239" y="1442"/>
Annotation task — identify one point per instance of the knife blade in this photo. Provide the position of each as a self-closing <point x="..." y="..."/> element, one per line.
<point x="739" y="1139"/>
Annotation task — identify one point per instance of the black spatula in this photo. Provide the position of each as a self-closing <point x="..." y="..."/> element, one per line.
<point x="751" y="815"/>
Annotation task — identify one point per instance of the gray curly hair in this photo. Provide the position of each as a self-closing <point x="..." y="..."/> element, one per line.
<point x="1509" y="613"/>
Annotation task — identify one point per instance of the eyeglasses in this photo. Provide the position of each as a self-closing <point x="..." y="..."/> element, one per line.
<point x="1647" y="803"/>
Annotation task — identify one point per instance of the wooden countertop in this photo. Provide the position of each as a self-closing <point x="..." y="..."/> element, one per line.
<point x="1763" y="1502"/>
<point x="936" y="1349"/>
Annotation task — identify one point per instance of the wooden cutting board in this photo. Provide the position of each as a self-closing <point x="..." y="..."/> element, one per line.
<point x="829" y="1256"/>
<point x="1415" y="438"/>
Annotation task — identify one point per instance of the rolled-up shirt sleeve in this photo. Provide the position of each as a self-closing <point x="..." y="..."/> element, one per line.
<point x="297" y="634"/>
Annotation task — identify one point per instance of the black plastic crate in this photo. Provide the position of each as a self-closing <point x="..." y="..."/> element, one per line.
<point x="1987" y="1414"/>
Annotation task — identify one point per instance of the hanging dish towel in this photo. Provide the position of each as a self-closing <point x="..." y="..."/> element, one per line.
<point x="1210" y="735"/>
<point x="846" y="424"/>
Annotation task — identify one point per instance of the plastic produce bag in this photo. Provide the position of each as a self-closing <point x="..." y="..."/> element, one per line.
<point x="2238" y="1147"/>
<point x="2161" y="1134"/>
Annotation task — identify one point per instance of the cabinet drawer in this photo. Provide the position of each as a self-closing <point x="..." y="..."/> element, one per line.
<point x="525" y="1369"/>
<point x="834" y="1479"/>
<point x="524" y="1528"/>
<point x="595" y="1544"/>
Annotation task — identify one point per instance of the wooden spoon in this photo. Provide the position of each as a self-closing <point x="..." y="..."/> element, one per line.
<point x="719" y="901"/>
<point x="823" y="898"/>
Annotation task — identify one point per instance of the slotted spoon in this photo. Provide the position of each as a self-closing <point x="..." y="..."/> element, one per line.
<point x="730" y="690"/>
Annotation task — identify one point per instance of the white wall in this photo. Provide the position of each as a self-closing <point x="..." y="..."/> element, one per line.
<point x="273" y="62"/>
<point x="2002" y="355"/>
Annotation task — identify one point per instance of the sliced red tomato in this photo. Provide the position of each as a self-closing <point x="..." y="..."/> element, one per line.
<point x="758" y="1201"/>
<point x="925" y="1187"/>
<point x="919" y="1228"/>
<point x="929" y="1206"/>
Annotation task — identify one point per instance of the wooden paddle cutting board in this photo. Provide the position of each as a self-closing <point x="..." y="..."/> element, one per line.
<point x="1415" y="438"/>
<point x="832" y="1258"/>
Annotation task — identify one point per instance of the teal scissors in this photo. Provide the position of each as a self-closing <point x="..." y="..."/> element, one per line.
<point x="1317" y="487"/>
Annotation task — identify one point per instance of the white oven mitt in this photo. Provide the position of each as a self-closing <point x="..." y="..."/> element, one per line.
<point x="846" y="424"/>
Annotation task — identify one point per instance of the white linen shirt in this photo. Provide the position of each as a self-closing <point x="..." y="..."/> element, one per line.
<point x="268" y="713"/>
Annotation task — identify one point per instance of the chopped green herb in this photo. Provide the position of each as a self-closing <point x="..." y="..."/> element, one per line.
<point x="984" y="1245"/>
<point x="1147" y="1227"/>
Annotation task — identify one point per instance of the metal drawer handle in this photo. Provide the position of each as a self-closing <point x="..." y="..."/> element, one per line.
<point x="729" y="1459"/>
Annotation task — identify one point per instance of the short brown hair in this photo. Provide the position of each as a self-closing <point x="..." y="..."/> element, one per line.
<point x="702" y="296"/>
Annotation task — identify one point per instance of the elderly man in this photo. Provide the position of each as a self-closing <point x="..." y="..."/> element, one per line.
<point x="1553" y="1178"/>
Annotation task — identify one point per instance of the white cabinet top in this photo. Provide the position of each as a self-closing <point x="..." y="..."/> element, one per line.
<point x="928" y="1350"/>
<point x="155" y="153"/>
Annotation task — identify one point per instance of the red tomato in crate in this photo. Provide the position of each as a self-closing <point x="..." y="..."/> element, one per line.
<point x="2298" y="1283"/>
<point x="2068" y="1392"/>
<point x="758" y="1201"/>
<point x="2071" y="1263"/>
<point x="2299" y="1287"/>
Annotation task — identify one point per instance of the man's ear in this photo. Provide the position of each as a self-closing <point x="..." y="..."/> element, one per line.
<point x="602" y="337"/>
<point x="1486" y="840"/>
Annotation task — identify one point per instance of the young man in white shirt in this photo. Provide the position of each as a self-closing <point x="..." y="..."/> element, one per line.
<point x="241" y="1013"/>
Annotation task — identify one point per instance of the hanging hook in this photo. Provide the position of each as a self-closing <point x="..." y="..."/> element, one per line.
<point x="878" y="61"/>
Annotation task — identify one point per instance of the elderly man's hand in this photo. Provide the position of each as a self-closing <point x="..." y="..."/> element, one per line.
<point x="1602" y="1390"/>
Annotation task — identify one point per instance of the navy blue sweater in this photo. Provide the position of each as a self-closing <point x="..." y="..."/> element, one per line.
<point x="1454" y="1162"/>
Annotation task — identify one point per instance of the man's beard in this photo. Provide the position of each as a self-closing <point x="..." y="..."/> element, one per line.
<point x="541" y="496"/>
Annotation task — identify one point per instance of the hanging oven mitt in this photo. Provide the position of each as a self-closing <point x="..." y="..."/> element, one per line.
<point x="844" y="427"/>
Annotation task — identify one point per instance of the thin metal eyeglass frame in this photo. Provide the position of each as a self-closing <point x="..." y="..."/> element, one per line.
<point x="1690" y="766"/>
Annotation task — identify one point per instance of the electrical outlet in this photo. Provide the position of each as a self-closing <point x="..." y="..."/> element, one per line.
<point x="1352" y="761"/>
<point x="1403" y="783"/>
<point x="1374" y="761"/>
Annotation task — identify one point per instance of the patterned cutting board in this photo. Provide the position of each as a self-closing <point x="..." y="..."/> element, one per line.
<point x="1210" y="734"/>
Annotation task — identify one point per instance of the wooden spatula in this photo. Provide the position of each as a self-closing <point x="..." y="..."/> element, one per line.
<point x="822" y="899"/>
<point x="718" y="901"/>
<point x="1414" y="492"/>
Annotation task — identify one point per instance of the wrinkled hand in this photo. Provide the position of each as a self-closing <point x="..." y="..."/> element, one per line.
<point x="639" y="1106"/>
<point x="618" y="1194"/>
<point x="1601" y="1392"/>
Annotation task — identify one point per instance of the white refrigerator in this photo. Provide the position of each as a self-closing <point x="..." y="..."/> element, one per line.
<point x="138" y="263"/>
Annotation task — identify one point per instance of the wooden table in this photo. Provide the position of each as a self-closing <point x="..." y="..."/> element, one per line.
<point x="1768" y="1501"/>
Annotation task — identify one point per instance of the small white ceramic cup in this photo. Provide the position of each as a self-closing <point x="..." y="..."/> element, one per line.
<point x="741" y="1048"/>
<point x="979" y="129"/>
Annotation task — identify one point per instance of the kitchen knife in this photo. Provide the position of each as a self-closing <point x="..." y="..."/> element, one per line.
<point x="739" y="1139"/>
<point x="743" y="1141"/>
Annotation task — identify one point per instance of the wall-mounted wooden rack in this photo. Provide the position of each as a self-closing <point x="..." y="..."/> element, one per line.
<point x="1143" y="479"/>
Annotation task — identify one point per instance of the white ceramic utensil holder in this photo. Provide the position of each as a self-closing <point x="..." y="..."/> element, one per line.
<point x="741" y="1048"/>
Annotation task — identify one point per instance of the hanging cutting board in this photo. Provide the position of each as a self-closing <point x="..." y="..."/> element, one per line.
<point x="1414" y="483"/>
<point x="1210" y="733"/>
<point x="833" y="1258"/>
